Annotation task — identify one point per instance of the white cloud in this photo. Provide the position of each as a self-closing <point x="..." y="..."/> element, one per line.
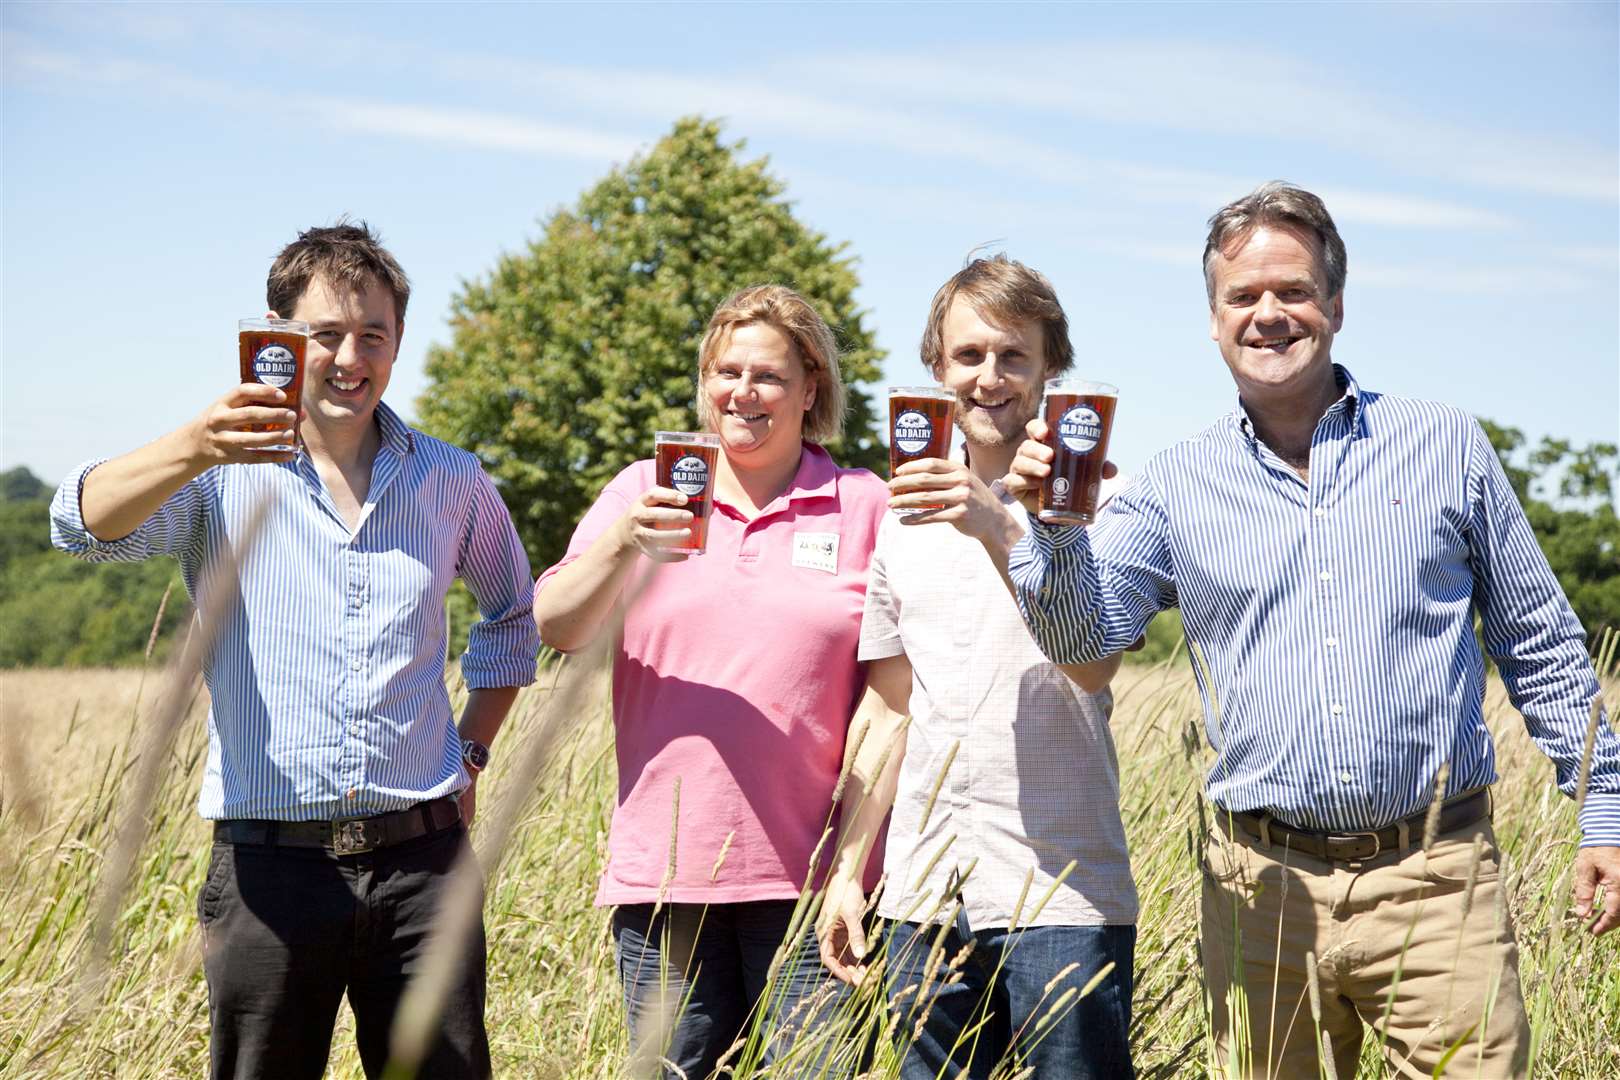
<point x="470" y="127"/>
<point x="1176" y="86"/>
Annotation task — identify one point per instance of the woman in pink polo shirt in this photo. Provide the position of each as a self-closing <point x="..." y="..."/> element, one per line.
<point x="733" y="685"/>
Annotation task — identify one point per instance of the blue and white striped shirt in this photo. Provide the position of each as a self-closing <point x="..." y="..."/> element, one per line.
<point x="1335" y="617"/>
<point x="327" y="680"/>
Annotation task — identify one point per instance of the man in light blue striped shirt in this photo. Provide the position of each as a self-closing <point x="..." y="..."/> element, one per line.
<point x="336" y="776"/>
<point x="1328" y="547"/>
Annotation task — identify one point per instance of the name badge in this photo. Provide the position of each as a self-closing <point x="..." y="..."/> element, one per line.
<point x="816" y="551"/>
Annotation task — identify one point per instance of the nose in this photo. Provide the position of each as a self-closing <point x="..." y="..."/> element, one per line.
<point x="1269" y="309"/>
<point x="992" y="372"/>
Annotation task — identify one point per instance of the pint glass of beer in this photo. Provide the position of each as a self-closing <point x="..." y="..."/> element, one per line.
<point x="1079" y="416"/>
<point x="685" y="462"/>
<point x="919" y="425"/>
<point x="272" y="352"/>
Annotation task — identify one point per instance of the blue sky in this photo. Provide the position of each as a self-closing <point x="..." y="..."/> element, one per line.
<point x="157" y="156"/>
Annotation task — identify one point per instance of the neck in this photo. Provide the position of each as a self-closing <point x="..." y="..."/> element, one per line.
<point x="1287" y="421"/>
<point x="345" y="445"/>
<point x="990" y="463"/>
<point x="760" y="482"/>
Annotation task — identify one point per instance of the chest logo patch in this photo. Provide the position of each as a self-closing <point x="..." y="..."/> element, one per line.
<point x="816" y="551"/>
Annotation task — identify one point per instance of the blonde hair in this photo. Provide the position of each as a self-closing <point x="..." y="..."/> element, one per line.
<point x="1005" y="292"/>
<point x="780" y="307"/>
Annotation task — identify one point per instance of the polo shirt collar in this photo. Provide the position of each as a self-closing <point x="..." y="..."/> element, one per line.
<point x="817" y="477"/>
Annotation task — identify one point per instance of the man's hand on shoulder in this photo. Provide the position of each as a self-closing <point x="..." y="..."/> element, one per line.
<point x="1595" y="866"/>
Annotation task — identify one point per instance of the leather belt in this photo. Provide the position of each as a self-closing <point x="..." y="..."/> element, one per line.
<point x="1455" y="813"/>
<point x="346" y="836"/>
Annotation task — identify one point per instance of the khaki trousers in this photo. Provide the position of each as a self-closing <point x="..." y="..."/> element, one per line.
<point x="1399" y="922"/>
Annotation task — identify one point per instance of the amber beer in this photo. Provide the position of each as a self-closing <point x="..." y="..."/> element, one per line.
<point x="919" y="425"/>
<point x="686" y="462"/>
<point x="272" y="352"/>
<point x="1079" y="416"/>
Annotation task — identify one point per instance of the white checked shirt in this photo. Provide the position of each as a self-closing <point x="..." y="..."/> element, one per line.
<point x="1035" y="782"/>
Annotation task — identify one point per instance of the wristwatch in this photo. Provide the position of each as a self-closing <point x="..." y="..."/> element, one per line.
<point x="475" y="755"/>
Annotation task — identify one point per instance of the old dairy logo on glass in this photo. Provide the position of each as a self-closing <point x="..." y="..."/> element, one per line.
<point x="275" y="365"/>
<point x="1080" y="429"/>
<point x="912" y="432"/>
<point x="685" y="460"/>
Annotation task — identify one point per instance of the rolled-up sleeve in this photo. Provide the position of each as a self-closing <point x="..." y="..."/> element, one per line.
<point x="501" y="649"/>
<point x="1087" y="593"/>
<point x="1539" y="647"/>
<point x="175" y="529"/>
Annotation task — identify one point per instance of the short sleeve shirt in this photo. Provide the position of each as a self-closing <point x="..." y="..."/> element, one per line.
<point x="1033" y="785"/>
<point x="733" y="686"/>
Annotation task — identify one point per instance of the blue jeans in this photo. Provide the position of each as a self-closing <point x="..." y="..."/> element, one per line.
<point x="1004" y="978"/>
<point x="694" y="977"/>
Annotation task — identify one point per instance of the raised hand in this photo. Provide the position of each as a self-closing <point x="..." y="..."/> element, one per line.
<point x="220" y="434"/>
<point x="657" y="523"/>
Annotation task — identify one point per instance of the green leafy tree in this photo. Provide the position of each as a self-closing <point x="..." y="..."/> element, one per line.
<point x="1568" y="496"/>
<point x="570" y="353"/>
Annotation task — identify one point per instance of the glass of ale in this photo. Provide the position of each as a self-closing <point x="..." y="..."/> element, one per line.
<point x="685" y="462"/>
<point x="272" y="352"/>
<point x="1079" y="416"/>
<point x="920" y="420"/>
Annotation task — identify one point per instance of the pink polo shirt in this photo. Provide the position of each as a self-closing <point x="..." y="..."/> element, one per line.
<point x="736" y="676"/>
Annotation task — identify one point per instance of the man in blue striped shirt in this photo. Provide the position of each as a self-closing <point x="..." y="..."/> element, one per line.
<point x="1328" y="547"/>
<point x="336" y="777"/>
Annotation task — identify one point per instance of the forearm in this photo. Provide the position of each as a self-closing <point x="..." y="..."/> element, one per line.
<point x="486" y="711"/>
<point x="1094" y="677"/>
<point x="578" y="599"/>
<point x="118" y="496"/>
<point x="869" y="790"/>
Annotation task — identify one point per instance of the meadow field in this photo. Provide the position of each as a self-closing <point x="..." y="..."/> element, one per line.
<point x="67" y="743"/>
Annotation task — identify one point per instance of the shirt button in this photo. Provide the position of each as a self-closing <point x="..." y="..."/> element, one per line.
<point x="1320" y="512"/>
<point x="1330" y="642"/>
<point x="1344" y="778"/>
<point x="355" y="664"/>
<point x="1337" y="709"/>
<point x="1326" y="575"/>
<point x="354" y="729"/>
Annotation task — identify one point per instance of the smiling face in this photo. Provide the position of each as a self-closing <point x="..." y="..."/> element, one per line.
<point x="354" y="337"/>
<point x="1272" y="317"/>
<point x="757" y="392"/>
<point x="995" y="372"/>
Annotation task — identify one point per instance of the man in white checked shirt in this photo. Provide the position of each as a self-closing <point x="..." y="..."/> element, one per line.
<point x="1017" y="866"/>
<point x="1329" y="548"/>
<point x="338" y="782"/>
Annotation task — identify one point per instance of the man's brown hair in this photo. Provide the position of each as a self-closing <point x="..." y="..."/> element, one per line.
<point x="1004" y="292"/>
<point x="346" y="255"/>
<point x="1276" y="204"/>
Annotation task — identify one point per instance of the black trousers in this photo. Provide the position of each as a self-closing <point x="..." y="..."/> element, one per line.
<point x="287" y="931"/>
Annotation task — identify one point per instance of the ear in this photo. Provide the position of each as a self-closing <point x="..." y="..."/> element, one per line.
<point x="810" y="387"/>
<point x="1337" y="312"/>
<point x="1214" y="325"/>
<point x="271" y="315"/>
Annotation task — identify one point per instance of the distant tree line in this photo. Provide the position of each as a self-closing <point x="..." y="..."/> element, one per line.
<point x="571" y="351"/>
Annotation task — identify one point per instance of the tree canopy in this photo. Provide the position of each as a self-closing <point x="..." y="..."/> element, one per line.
<point x="569" y="354"/>
<point x="1568" y="495"/>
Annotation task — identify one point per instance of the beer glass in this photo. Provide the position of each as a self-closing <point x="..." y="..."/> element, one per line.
<point x="1079" y="415"/>
<point x="272" y="352"/>
<point x="919" y="426"/>
<point x="685" y="462"/>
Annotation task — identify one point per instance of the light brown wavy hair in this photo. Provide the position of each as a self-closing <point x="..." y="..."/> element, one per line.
<point x="790" y="313"/>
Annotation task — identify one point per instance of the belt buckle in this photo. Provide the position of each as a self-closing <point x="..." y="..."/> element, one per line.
<point x="1378" y="843"/>
<point x="349" y="837"/>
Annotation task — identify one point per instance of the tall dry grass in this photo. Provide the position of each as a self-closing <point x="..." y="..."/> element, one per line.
<point x="67" y="740"/>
